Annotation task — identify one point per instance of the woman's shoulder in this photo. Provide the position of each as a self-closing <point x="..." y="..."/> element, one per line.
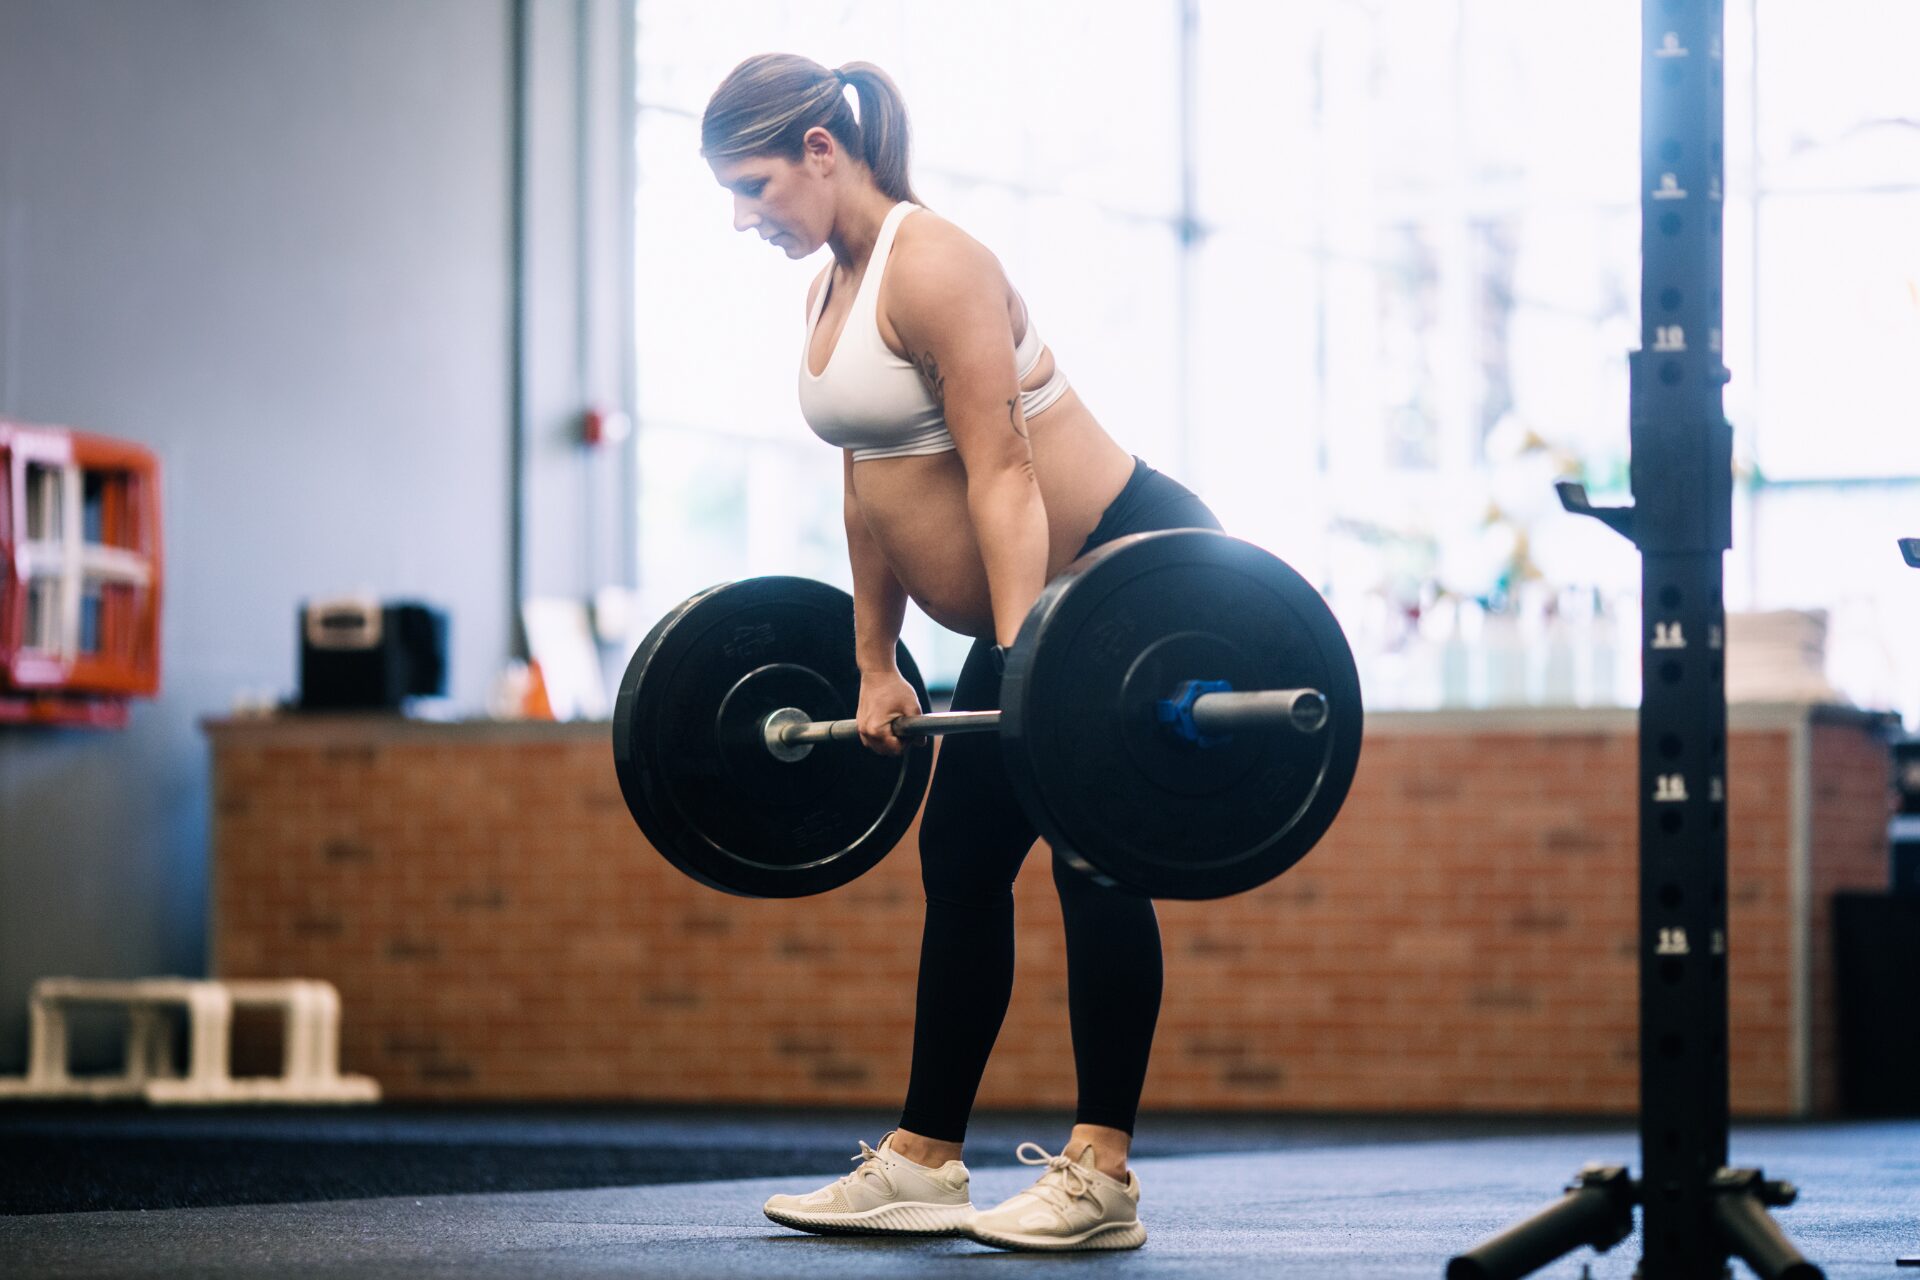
<point x="931" y="254"/>
<point x="926" y="237"/>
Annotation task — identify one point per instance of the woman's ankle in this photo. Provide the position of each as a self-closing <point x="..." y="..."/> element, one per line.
<point x="929" y="1153"/>
<point x="1110" y="1148"/>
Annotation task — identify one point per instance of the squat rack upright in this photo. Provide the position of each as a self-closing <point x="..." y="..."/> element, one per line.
<point x="1695" y="1211"/>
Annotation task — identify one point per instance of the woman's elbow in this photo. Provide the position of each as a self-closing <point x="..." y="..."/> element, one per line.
<point x="1010" y="473"/>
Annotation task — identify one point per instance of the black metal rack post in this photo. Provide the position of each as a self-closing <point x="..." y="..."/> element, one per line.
<point x="1695" y="1212"/>
<point x="1910" y="549"/>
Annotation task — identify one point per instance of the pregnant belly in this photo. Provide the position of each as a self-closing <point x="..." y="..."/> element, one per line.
<point x="917" y="511"/>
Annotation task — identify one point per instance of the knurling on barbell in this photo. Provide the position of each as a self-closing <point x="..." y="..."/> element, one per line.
<point x="1097" y="726"/>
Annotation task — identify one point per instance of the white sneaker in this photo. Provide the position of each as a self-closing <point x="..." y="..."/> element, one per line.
<point x="1073" y="1206"/>
<point x="887" y="1195"/>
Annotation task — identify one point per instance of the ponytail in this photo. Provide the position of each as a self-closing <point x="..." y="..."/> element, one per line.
<point x="885" y="138"/>
<point x="767" y="104"/>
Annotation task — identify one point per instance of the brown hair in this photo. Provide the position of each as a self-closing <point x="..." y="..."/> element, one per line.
<point x="766" y="105"/>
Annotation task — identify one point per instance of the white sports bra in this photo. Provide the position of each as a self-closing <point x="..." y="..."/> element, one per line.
<point x="871" y="401"/>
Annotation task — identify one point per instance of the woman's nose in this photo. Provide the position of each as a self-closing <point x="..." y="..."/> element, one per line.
<point x="744" y="217"/>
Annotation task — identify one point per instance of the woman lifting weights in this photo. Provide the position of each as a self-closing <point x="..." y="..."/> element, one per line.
<point x="973" y="475"/>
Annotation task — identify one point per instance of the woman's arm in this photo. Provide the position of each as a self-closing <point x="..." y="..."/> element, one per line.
<point x="948" y="303"/>
<point x="879" y="601"/>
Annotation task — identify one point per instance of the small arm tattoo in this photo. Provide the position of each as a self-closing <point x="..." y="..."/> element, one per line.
<point x="930" y="374"/>
<point x="936" y="382"/>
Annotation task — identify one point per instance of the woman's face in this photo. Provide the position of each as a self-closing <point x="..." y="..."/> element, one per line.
<point x="790" y="203"/>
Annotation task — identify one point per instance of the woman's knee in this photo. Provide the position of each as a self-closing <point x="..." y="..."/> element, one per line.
<point x="1083" y="896"/>
<point x="1072" y="882"/>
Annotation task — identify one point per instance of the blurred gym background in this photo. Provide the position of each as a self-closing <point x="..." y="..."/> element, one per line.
<point x="435" y="300"/>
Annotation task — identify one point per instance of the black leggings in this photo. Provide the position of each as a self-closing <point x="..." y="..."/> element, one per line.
<point x="973" y="838"/>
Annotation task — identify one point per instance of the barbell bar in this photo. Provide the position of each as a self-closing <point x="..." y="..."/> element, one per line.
<point x="790" y="734"/>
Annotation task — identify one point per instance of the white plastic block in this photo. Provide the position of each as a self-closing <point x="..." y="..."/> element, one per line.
<point x="310" y="1071"/>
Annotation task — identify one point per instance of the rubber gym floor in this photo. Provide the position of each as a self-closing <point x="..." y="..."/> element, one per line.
<point x="392" y="1191"/>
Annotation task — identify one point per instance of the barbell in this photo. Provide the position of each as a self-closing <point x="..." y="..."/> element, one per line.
<point x="1197" y="710"/>
<point x="1180" y="717"/>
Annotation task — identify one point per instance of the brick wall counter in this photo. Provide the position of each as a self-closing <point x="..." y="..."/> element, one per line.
<point x="1464" y="938"/>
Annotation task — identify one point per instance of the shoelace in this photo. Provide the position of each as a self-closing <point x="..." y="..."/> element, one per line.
<point x="1072" y="1182"/>
<point x="870" y="1163"/>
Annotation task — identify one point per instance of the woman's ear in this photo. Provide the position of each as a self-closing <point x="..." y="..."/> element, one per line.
<point x="820" y="148"/>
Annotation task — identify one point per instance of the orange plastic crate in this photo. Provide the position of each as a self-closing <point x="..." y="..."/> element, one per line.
<point x="81" y="575"/>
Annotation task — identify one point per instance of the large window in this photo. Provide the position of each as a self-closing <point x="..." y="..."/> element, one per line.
<point x="1362" y="272"/>
<point x="1829" y="378"/>
<point x="1415" y="285"/>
